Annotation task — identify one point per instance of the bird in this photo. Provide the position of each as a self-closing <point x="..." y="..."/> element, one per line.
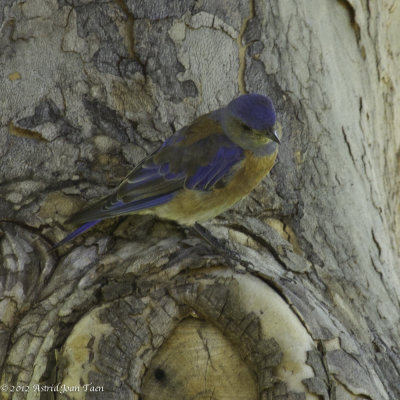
<point x="199" y="171"/>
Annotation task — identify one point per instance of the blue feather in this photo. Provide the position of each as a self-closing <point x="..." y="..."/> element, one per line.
<point x="76" y="233"/>
<point x="123" y="208"/>
<point x="220" y="166"/>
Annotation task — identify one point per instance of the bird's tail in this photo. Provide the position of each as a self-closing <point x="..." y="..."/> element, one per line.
<point x="75" y="233"/>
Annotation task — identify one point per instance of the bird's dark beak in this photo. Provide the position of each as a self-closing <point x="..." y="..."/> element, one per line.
<point x="273" y="135"/>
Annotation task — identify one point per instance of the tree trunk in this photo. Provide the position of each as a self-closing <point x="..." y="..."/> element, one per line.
<point x="142" y="309"/>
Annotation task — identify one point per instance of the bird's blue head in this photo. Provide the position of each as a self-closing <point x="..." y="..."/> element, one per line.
<point x="254" y="110"/>
<point x="249" y="120"/>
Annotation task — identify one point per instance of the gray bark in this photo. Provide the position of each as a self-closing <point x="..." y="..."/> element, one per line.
<point x="140" y="308"/>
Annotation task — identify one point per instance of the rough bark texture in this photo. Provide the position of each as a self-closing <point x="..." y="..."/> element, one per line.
<point x="142" y="309"/>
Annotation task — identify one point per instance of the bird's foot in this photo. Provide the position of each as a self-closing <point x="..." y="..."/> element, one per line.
<point x="221" y="245"/>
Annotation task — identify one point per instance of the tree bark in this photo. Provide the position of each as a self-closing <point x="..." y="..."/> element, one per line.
<point x="142" y="309"/>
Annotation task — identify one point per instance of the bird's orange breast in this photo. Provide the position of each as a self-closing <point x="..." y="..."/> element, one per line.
<point x="192" y="206"/>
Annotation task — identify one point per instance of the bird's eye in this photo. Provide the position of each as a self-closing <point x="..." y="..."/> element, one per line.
<point x="245" y="127"/>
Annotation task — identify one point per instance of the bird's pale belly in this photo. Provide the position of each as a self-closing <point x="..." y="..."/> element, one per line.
<point x="192" y="206"/>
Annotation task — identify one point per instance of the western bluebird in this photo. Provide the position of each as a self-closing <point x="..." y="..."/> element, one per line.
<point x="198" y="172"/>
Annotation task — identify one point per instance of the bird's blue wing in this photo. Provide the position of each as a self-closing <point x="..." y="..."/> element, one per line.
<point x="219" y="169"/>
<point x="148" y="185"/>
<point x="198" y="166"/>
